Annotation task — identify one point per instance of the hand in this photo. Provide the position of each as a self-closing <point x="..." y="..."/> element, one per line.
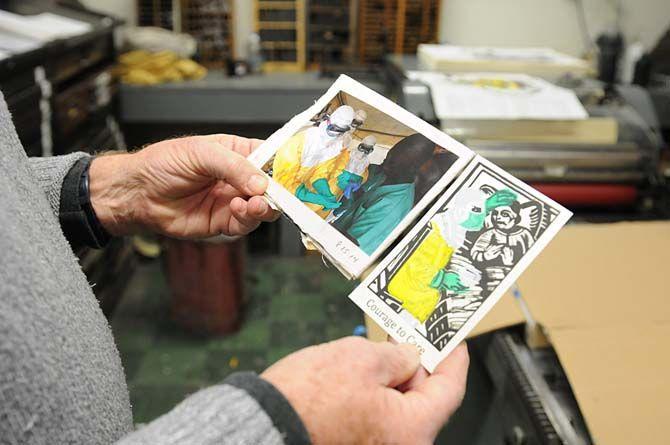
<point x="452" y="281"/>
<point x="507" y="255"/>
<point x="323" y="188"/>
<point x="448" y="281"/>
<point x="327" y="202"/>
<point x="493" y="252"/>
<point x="346" y="178"/>
<point x="191" y="187"/>
<point x="356" y="391"/>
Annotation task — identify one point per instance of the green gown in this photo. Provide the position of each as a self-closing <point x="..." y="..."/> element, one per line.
<point x="371" y="216"/>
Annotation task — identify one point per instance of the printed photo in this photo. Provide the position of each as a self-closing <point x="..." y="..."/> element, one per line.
<point x="461" y="255"/>
<point x="363" y="171"/>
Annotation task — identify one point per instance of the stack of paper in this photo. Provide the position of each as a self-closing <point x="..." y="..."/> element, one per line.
<point x="499" y="96"/>
<point x="43" y="27"/>
<point x="542" y="62"/>
<point x="355" y="171"/>
<point x="11" y="43"/>
<point x="512" y="107"/>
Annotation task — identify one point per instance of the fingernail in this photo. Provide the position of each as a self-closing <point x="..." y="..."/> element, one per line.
<point x="257" y="184"/>
<point x="262" y="206"/>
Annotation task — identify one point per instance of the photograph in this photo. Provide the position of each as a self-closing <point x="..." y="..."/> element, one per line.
<point x="460" y="256"/>
<point x="363" y="172"/>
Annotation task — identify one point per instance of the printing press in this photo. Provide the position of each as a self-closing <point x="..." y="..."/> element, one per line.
<point x="622" y="173"/>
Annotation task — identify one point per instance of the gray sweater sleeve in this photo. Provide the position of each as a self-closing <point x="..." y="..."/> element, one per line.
<point x="50" y="173"/>
<point x="245" y="409"/>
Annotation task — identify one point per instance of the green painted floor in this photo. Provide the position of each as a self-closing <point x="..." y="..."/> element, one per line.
<point x="292" y="303"/>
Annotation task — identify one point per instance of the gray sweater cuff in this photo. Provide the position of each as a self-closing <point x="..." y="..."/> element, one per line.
<point x="284" y="417"/>
<point x="50" y="173"/>
<point x="239" y="411"/>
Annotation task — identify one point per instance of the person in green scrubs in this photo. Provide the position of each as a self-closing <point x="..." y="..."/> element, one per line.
<point x="387" y="196"/>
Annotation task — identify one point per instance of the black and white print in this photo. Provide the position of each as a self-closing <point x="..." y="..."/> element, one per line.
<point x="462" y="256"/>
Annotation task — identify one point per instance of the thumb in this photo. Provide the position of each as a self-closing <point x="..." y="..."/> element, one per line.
<point x="397" y="363"/>
<point x="232" y="168"/>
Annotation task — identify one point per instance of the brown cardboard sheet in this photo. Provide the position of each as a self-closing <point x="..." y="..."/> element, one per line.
<point x="600" y="275"/>
<point x="620" y="377"/>
<point x="601" y="291"/>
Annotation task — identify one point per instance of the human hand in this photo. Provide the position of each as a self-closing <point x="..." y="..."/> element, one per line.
<point x="191" y="187"/>
<point x="356" y="391"/>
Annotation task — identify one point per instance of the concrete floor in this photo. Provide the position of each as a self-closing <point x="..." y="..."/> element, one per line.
<point x="292" y="303"/>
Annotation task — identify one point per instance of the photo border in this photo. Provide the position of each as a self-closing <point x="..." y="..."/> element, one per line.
<point x="342" y="252"/>
<point x="430" y="356"/>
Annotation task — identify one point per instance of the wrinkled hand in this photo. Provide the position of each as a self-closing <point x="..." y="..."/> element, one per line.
<point x="355" y="391"/>
<point x="191" y="187"/>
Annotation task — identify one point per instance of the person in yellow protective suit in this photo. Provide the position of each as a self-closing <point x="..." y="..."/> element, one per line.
<point x="305" y="164"/>
<point x="350" y="169"/>
<point x="418" y="282"/>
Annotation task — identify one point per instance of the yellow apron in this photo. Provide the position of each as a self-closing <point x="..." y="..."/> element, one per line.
<point x="411" y="284"/>
<point x="287" y="170"/>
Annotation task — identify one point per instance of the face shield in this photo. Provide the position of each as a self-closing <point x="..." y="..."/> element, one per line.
<point x="340" y="121"/>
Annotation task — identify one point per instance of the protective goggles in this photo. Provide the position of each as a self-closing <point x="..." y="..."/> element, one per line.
<point x="336" y="129"/>
<point x="367" y="149"/>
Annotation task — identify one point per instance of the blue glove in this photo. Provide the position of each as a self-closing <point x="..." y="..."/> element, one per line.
<point x="328" y="203"/>
<point x="349" y="182"/>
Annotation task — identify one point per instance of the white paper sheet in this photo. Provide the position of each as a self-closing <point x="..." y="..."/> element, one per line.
<point x="42" y="27"/>
<point x="16" y="44"/>
<point x="499" y="96"/>
<point x="492" y="53"/>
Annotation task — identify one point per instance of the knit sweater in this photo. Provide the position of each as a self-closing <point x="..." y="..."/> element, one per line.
<point x="61" y="378"/>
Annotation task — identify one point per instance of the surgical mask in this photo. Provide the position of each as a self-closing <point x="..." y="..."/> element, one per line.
<point x="475" y="221"/>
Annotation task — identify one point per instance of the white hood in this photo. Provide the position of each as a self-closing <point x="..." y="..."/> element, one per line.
<point x="319" y="146"/>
